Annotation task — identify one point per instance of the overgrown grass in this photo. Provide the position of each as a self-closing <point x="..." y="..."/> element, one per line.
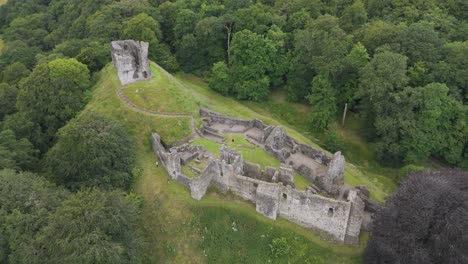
<point x="178" y="229"/>
<point x="232" y="236"/>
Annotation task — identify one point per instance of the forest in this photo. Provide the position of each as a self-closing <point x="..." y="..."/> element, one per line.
<point x="400" y="65"/>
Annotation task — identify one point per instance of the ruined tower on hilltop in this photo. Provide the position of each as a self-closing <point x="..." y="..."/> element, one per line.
<point x="130" y="59"/>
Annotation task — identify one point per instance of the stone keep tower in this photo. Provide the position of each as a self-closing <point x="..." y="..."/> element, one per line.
<point x="130" y="59"/>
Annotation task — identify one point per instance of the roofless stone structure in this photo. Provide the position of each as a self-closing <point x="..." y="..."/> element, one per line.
<point x="324" y="208"/>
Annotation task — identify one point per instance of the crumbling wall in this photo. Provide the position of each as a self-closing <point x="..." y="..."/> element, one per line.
<point x="313" y="153"/>
<point x="170" y="160"/>
<point x="355" y="218"/>
<point x="337" y="220"/>
<point x="221" y="119"/>
<point x="199" y="185"/>
<point x="326" y="216"/>
<point x="130" y="59"/>
<point x="267" y="200"/>
<point x="244" y="187"/>
<point x="335" y="173"/>
<point x="286" y="175"/>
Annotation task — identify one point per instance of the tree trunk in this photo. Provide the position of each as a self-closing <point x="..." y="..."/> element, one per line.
<point x="344" y="114"/>
<point x="229" y="30"/>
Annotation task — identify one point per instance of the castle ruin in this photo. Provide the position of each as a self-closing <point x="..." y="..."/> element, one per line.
<point x="323" y="208"/>
<point x="130" y="59"/>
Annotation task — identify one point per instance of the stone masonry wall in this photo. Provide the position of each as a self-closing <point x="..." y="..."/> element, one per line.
<point x="130" y="59"/>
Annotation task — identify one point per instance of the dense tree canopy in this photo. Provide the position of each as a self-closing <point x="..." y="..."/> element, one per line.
<point x="42" y="223"/>
<point x="290" y="43"/>
<point x="91" y="150"/>
<point x="53" y="94"/>
<point x="425" y="221"/>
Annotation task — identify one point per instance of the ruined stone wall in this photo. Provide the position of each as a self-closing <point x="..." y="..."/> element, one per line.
<point x="267" y="200"/>
<point x="339" y="221"/>
<point x="355" y="218"/>
<point x="199" y="185"/>
<point x="171" y="160"/>
<point x="323" y="215"/>
<point x="130" y="59"/>
<point x="335" y="173"/>
<point x="217" y="118"/>
<point x="244" y="187"/>
<point x="313" y="153"/>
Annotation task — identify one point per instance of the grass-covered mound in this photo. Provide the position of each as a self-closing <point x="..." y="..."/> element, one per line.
<point x="179" y="229"/>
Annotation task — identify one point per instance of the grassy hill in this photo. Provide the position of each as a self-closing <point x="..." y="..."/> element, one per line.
<point x="217" y="229"/>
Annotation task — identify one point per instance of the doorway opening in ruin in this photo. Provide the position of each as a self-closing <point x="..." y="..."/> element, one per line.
<point x="330" y="211"/>
<point x="285" y="196"/>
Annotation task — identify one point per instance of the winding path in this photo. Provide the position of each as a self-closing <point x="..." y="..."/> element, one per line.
<point x="161" y="114"/>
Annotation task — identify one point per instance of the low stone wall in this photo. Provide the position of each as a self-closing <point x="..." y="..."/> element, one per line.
<point x="313" y="153"/>
<point x="217" y="118"/>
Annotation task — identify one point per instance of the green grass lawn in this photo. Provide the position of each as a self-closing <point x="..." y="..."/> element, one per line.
<point x="219" y="228"/>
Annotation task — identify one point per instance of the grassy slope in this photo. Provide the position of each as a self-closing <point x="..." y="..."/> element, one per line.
<point x="217" y="229"/>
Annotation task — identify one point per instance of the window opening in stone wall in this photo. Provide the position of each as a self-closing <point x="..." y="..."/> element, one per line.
<point x="330" y="211"/>
<point x="285" y="196"/>
<point x="255" y="185"/>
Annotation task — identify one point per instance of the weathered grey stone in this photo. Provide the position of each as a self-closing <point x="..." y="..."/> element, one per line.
<point x="130" y="59"/>
<point x="335" y="172"/>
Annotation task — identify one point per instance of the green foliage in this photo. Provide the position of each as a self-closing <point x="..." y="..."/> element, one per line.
<point x="163" y="56"/>
<point x="18" y="51"/>
<point x="95" y="56"/>
<point x="219" y="79"/>
<point x="91" y="226"/>
<point x="53" y="94"/>
<point x="322" y="99"/>
<point x="7" y="99"/>
<point x="14" y="73"/>
<point x="252" y="57"/>
<point x="353" y="16"/>
<point x="25" y="203"/>
<point x="15" y="154"/>
<point x="143" y="28"/>
<point x="42" y="223"/>
<point x="280" y="247"/>
<point x="91" y="151"/>
<point x="319" y="48"/>
<point x="256" y="18"/>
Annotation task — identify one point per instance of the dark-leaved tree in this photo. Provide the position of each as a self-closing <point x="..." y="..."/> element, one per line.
<point x="425" y="221"/>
